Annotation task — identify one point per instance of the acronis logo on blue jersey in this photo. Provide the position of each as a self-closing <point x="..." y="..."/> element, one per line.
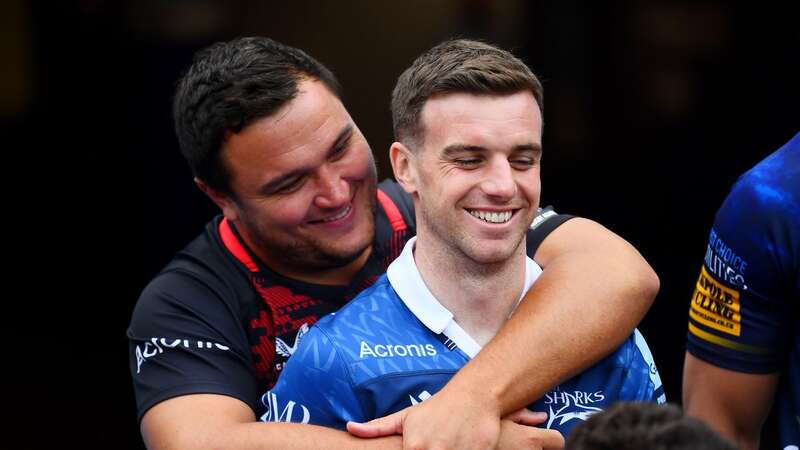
<point x="389" y="350"/>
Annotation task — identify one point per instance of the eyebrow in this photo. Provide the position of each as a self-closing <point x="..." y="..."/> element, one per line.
<point x="457" y="149"/>
<point x="275" y="183"/>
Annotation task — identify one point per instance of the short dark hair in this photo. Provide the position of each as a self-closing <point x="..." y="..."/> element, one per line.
<point x="638" y="425"/>
<point x="459" y="65"/>
<point x="230" y="85"/>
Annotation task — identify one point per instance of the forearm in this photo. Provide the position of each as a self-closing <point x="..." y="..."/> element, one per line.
<point x="279" y="436"/>
<point x="585" y="304"/>
<point x="202" y="421"/>
<point x="268" y="436"/>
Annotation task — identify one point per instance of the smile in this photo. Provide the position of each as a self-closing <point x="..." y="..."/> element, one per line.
<point x="492" y="216"/>
<point x="338" y="216"/>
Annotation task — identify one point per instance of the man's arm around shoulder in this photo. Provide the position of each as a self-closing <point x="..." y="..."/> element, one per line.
<point x="595" y="288"/>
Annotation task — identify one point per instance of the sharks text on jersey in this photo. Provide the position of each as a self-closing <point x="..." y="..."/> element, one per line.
<point x="565" y="406"/>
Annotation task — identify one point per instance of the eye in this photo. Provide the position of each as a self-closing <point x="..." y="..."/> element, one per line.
<point x="340" y="150"/>
<point x="467" y="162"/>
<point x="290" y="186"/>
<point x="523" y="163"/>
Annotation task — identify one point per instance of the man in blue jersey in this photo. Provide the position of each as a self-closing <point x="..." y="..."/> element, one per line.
<point x="467" y="119"/>
<point x="743" y="349"/>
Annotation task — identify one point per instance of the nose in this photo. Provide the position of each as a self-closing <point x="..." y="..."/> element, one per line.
<point x="333" y="191"/>
<point x="499" y="180"/>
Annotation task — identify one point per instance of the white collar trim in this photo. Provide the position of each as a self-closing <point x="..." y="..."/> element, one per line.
<point x="406" y="280"/>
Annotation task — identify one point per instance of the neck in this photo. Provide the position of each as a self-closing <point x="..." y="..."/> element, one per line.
<point x="480" y="296"/>
<point x="331" y="276"/>
<point x="335" y="276"/>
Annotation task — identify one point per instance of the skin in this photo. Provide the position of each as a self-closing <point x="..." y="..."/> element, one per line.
<point x="734" y="404"/>
<point x="205" y="421"/>
<point x="616" y="284"/>
<point x="304" y="188"/>
<point x="480" y="158"/>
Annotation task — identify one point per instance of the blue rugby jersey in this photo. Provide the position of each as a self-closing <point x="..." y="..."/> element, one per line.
<point x="745" y="311"/>
<point x="395" y="345"/>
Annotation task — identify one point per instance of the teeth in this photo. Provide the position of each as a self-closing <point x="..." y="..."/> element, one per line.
<point x="492" y="217"/>
<point x="338" y="216"/>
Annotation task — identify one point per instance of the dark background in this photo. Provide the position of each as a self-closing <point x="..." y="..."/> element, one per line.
<point x="652" y="109"/>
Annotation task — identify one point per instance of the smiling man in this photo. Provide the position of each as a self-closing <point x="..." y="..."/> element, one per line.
<point x="303" y="230"/>
<point x="468" y="122"/>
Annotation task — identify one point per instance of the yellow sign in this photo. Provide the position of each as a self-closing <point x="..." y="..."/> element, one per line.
<point x="716" y="306"/>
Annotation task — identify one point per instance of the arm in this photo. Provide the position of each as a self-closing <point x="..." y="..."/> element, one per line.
<point x="194" y="397"/>
<point x="202" y="421"/>
<point x="589" y="274"/>
<point x="206" y="421"/>
<point x="735" y="404"/>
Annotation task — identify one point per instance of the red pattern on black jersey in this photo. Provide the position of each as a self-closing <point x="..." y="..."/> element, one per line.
<point x="264" y="349"/>
<point x="286" y="315"/>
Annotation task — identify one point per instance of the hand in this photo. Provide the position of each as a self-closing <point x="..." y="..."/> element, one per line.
<point x="432" y="424"/>
<point x="514" y="436"/>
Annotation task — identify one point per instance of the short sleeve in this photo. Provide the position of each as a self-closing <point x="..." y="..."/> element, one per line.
<point x="741" y="315"/>
<point x="543" y="224"/>
<point x="184" y="338"/>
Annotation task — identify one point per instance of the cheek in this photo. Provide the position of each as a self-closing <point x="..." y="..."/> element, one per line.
<point x="531" y="186"/>
<point x="285" y="213"/>
<point x="358" y="164"/>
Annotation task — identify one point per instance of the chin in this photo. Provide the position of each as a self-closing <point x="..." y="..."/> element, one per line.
<point x="346" y="252"/>
<point x="339" y="258"/>
<point x="498" y="254"/>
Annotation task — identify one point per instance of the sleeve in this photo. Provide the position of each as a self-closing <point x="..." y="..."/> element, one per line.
<point x="185" y="339"/>
<point x="543" y="224"/>
<point x="314" y="387"/>
<point x="740" y="314"/>
<point x="642" y="380"/>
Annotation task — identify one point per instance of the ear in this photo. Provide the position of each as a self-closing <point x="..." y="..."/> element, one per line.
<point x="404" y="167"/>
<point x="225" y="202"/>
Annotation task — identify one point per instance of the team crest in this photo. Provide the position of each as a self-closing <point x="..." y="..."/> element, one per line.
<point x="283" y="349"/>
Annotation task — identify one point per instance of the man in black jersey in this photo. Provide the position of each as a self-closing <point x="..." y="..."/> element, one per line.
<point x="303" y="230"/>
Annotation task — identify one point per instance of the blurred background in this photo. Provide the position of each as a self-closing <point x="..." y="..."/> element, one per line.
<point x="652" y="109"/>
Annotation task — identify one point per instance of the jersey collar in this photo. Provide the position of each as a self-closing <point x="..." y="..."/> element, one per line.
<point x="406" y="280"/>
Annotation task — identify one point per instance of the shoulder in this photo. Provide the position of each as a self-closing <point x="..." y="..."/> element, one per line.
<point x="771" y="189"/>
<point x="372" y="305"/>
<point x="759" y="221"/>
<point x="202" y="275"/>
<point x="376" y="318"/>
